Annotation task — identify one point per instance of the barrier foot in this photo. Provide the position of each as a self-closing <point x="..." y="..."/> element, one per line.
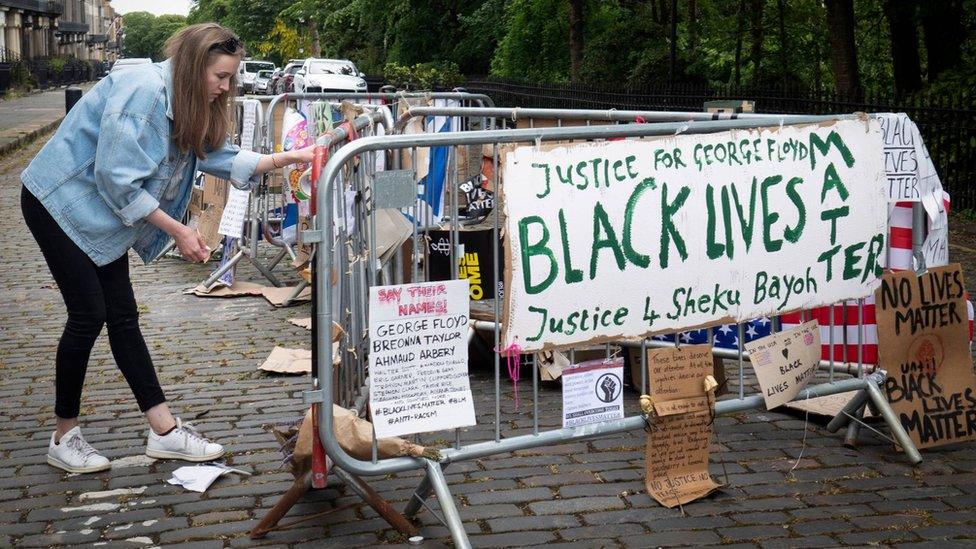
<point x="277" y="259"/>
<point x="280" y="509"/>
<point x="842" y="418"/>
<point x="894" y="424"/>
<point x="209" y="282"/>
<point x="374" y="500"/>
<point x="446" y="500"/>
<point x="294" y="295"/>
<point x="264" y="271"/>
<point x="420" y="495"/>
<point x="853" y="428"/>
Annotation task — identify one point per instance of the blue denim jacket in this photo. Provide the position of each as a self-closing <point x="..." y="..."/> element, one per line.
<point x="113" y="161"/>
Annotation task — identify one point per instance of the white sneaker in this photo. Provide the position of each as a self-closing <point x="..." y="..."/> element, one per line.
<point x="75" y="455"/>
<point x="183" y="442"/>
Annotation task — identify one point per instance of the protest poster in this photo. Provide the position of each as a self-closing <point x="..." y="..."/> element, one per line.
<point x="785" y="362"/>
<point x="593" y="391"/>
<point x="923" y="342"/>
<point x="418" y="358"/>
<point x="909" y="172"/>
<point x="677" y="449"/>
<point x="632" y="238"/>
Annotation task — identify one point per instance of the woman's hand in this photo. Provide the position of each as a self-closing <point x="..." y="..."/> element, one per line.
<point x="191" y="245"/>
<point x="304" y="155"/>
<point x="279" y="160"/>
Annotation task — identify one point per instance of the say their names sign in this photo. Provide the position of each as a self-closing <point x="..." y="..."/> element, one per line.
<point x="923" y="344"/>
<point x="631" y="238"/>
<point x="418" y="358"/>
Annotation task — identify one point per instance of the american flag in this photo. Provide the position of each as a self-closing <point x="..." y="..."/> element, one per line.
<point x="726" y="336"/>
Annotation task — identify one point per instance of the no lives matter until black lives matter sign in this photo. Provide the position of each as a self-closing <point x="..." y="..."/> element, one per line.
<point x="635" y="237"/>
<point x="923" y="343"/>
<point x="418" y="358"/>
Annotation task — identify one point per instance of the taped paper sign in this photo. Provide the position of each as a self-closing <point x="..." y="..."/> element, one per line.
<point x="593" y="392"/>
<point x="923" y="343"/>
<point x="418" y="359"/>
<point x="909" y="172"/>
<point x="785" y="362"/>
<point x="676" y="454"/>
<point x="631" y="238"/>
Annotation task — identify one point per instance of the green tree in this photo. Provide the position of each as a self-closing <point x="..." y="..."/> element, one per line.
<point x="145" y="34"/>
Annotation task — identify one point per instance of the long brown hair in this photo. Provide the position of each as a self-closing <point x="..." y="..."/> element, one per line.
<point x="199" y="123"/>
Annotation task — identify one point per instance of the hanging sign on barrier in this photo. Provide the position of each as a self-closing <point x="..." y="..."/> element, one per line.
<point x="678" y="442"/>
<point x="785" y="362"/>
<point x="630" y="238"/>
<point x="593" y="392"/>
<point x="418" y="359"/>
<point x="923" y="342"/>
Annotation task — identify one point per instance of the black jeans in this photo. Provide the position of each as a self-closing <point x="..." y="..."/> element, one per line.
<point x="95" y="296"/>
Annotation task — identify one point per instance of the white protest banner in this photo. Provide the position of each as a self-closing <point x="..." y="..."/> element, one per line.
<point x="630" y="238"/>
<point x="785" y="362"/>
<point x="593" y="392"/>
<point x="418" y="358"/>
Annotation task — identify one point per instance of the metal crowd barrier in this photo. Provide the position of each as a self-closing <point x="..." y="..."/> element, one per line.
<point x="391" y="98"/>
<point x="343" y="298"/>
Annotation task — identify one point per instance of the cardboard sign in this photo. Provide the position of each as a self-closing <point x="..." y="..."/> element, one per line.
<point x="475" y="260"/>
<point x="631" y="238"/>
<point x="785" y="362"/>
<point x="418" y="358"/>
<point x="593" y="392"/>
<point x="676" y="454"/>
<point x="923" y="341"/>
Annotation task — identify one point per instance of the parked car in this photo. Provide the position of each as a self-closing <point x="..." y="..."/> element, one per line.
<point x="129" y="62"/>
<point x="273" y="80"/>
<point x="285" y="83"/>
<point x="261" y="82"/>
<point x="324" y="75"/>
<point x="248" y="70"/>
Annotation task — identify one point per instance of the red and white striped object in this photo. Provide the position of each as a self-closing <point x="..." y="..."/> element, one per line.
<point x="846" y="334"/>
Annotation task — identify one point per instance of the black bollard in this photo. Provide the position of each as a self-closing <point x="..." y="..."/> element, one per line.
<point x="71" y="96"/>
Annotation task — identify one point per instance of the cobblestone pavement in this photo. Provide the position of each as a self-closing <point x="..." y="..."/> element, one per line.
<point x="582" y="494"/>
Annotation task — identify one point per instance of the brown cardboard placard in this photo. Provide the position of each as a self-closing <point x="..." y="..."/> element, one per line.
<point x="785" y="362"/>
<point x="676" y="457"/>
<point x="923" y="344"/>
<point x="718" y="369"/>
<point x="214" y="191"/>
<point x="207" y="222"/>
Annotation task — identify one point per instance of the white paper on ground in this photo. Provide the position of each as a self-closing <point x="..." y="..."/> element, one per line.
<point x="196" y="478"/>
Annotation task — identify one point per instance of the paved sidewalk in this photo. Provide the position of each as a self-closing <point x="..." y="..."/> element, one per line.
<point x="583" y="494"/>
<point x="24" y="118"/>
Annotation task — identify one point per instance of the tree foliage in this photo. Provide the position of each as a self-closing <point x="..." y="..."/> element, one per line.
<point x="847" y="44"/>
<point x="146" y="33"/>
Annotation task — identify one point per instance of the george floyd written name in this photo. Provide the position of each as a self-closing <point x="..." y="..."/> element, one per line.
<point x="630" y="238"/>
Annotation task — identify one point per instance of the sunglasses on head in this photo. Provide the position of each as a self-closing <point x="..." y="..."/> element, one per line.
<point x="230" y="46"/>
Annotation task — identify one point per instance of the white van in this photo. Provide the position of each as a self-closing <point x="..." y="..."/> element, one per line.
<point x="248" y="69"/>
<point x="329" y="75"/>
